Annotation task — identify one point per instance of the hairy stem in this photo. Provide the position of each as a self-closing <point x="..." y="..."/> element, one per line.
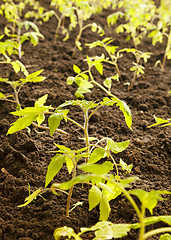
<point x="86" y="134"/>
<point x="70" y="193"/>
<point x="142" y="226"/>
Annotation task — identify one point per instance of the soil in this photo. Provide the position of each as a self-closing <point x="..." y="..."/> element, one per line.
<point x="25" y="157"/>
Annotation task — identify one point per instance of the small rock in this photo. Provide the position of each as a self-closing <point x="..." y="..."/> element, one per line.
<point x="143" y="107"/>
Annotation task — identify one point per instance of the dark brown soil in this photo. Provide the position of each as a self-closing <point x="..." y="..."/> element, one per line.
<point x="24" y="157"/>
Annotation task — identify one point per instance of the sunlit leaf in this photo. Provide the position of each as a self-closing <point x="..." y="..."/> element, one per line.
<point x="94" y="197"/>
<point x="104" y="208"/>
<point x="54" y="167"/>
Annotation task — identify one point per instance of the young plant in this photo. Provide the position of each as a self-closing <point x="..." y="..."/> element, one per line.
<point x="77" y="12"/>
<point x="92" y="152"/>
<point x="137" y="68"/>
<point x="17" y="84"/>
<point x="85" y="81"/>
<point x="162" y="29"/>
<point x="109" y="230"/>
<point x="161" y="122"/>
<point x="7" y="48"/>
<point x="138" y="15"/>
<point x="13" y="13"/>
<point x="111" y="51"/>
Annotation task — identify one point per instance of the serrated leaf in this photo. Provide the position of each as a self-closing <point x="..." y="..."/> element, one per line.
<point x="122" y="106"/>
<point x="94" y="197"/>
<point x="41" y="101"/>
<point x="149" y="199"/>
<point x="33" y="75"/>
<point x="54" y="167"/>
<point x="97" y="168"/>
<point x="104" y="208"/>
<point x="54" y="121"/>
<point x="125" y="167"/>
<point x="96" y="155"/>
<point x="21" y="123"/>
<point x="31" y="197"/>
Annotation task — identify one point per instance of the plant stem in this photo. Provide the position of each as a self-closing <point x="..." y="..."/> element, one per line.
<point x="142" y="226"/>
<point x="117" y="172"/>
<point x="114" y="62"/>
<point x="127" y="195"/>
<point x="73" y="121"/>
<point x="47" y="128"/>
<point x="132" y="82"/>
<point x="99" y="85"/>
<point x="70" y="193"/>
<point x="156" y="231"/>
<point x="19" y="41"/>
<point x="86" y="133"/>
<point x="164" y="61"/>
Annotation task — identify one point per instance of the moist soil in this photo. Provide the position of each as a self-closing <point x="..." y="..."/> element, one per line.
<point x="24" y="156"/>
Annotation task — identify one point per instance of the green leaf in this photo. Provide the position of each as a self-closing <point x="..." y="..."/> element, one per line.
<point x="54" y="167"/>
<point x="70" y="80"/>
<point x="117" y="147"/>
<point x="69" y="164"/>
<point x="78" y="179"/>
<point x="115" y="191"/>
<point x="96" y="155"/>
<point x="54" y="121"/>
<point x="107" y="230"/>
<point x="94" y="27"/>
<point x="94" y="197"/>
<point x="97" y="168"/>
<point x="112" y="232"/>
<point x="99" y="67"/>
<point x="166" y="236"/>
<point x="159" y="121"/>
<point x="65" y="231"/>
<point x="152" y="220"/>
<point x="125" y="167"/>
<point x="108" y="83"/>
<point x="2" y="95"/>
<point x="31" y="111"/>
<point x="21" y="123"/>
<point x="31" y="197"/>
<point x="40" y="119"/>
<point x="33" y="76"/>
<point x="104" y="208"/>
<point x="122" y="106"/>
<point x="149" y="199"/>
<point x="76" y="69"/>
<point x="41" y="101"/>
<point x="112" y="18"/>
